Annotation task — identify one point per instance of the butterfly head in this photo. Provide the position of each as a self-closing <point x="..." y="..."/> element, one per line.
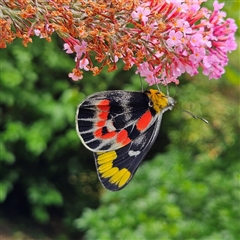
<point x="159" y="101"/>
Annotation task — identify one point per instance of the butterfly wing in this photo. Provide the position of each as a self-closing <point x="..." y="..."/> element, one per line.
<point x="112" y="119"/>
<point x="117" y="167"/>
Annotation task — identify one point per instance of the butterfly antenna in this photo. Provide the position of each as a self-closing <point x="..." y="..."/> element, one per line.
<point x="194" y="116"/>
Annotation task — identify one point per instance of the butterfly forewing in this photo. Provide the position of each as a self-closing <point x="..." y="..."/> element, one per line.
<point x="110" y="120"/>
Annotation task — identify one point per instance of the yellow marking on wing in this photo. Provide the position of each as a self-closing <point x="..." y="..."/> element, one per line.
<point x="106" y="157"/>
<point x="159" y="100"/>
<point x="110" y="172"/>
<point x="105" y="167"/>
<point x="120" y="178"/>
<point x="124" y="178"/>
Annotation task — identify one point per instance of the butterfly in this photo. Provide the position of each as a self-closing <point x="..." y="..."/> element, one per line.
<point x="120" y="127"/>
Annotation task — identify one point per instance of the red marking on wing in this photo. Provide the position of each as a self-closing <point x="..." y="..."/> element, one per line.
<point x="104" y="105"/>
<point x="109" y="135"/>
<point x="103" y="115"/>
<point x="98" y="133"/>
<point x="101" y="123"/>
<point x="122" y="137"/>
<point x="104" y="108"/>
<point x="144" y="121"/>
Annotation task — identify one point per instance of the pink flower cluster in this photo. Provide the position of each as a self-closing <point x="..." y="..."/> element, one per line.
<point x="163" y="39"/>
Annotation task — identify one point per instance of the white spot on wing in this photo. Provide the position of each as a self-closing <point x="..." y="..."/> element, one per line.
<point x="132" y="153"/>
<point x="109" y="125"/>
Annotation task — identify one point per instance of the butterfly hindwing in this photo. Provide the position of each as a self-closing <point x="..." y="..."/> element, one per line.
<point x="116" y="168"/>
<point x="112" y="119"/>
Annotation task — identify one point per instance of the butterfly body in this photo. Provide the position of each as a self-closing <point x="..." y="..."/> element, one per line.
<point x="120" y="127"/>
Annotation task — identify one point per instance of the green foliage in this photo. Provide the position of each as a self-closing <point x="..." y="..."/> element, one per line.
<point x="190" y="192"/>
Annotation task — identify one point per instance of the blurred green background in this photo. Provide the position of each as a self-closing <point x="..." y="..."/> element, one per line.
<point x="187" y="188"/>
